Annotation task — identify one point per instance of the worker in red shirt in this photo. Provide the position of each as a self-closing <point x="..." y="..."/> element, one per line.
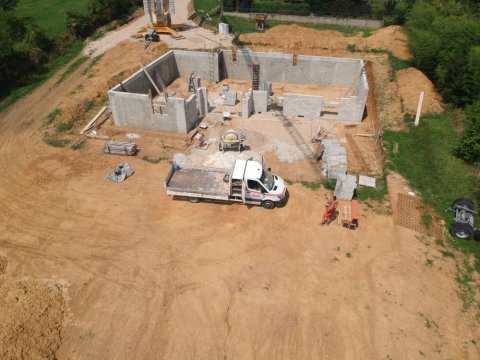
<point x="331" y="209"/>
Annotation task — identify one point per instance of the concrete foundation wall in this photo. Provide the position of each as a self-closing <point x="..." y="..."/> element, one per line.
<point x="259" y="101"/>
<point x="302" y="105"/>
<point x="191" y="112"/>
<point x="314" y="70"/>
<point x="132" y="106"/>
<point x="202" y="100"/>
<point x="247" y="104"/>
<point x="351" y="109"/>
<point x="199" y="62"/>
<point x="165" y="67"/>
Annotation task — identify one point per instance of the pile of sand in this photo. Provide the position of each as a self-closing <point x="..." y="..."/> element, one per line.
<point x="115" y="66"/>
<point x="287" y="38"/>
<point x="32" y="316"/>
<point x="411" y="82"/>
<point x="391" y="38"/>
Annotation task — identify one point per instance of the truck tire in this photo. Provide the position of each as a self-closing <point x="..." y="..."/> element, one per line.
<point x="268" y="204"/>
<point x="147" y="37"/>
<point x="155" y="37"/>
<point x="194" y="199"/>
<point x="462" y="231"/>
<point x="464" y="202"/>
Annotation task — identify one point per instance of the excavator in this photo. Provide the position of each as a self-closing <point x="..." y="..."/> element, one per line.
<point x="160" y="25"/>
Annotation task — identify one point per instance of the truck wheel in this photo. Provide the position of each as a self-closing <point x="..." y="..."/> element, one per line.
<point x="194" y="199"/>
<point x="464" y="202"/>
<point x="268" y="204"/>
<point x="462" y="231"/>
<point x="156" y="37"/>
<point x="147" y="37"/>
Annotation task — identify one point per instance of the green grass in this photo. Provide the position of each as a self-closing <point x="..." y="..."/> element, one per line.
<point x="243" y="26"/>
<point x="397" y="64"/>
<point x="39" y="79"/>
<point x="52" y="116"/>
<point x="71" y="68"/>
<point x="79" y="145"/>
<point x="363" y="193"/>
<point x="425" y="157"/>
<point x="54" y="141"/>
<point x="152" y="160"/>
<point x="329" y="184"/>
<point x="206" y="6"/>
<point x="96" y="36"/>
<point x="50" y="14"/>
<point x="64" y="126"/>
<point x="313" y="185"/>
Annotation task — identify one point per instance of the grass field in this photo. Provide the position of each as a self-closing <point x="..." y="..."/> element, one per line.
<point x="49" y="14"/>
<point x="425" y="157"/>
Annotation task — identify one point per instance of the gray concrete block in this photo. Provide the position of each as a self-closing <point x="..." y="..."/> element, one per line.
<point x="302" y="105"/>
<point x="231" y="98"/>
<point x="334" y="150"/>
<point x="202" y="101"/>
<point x="260" y="99"/>
<point x="247" y="104"/>
<point x="367" y="181"/>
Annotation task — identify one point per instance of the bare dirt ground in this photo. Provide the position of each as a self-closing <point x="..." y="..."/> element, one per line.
<point x="94" y="270"/>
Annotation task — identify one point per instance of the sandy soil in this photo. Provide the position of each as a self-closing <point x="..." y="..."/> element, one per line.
<point x="153" y="278"/>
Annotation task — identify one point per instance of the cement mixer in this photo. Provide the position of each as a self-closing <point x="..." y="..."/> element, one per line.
<point x="231" y="139"/>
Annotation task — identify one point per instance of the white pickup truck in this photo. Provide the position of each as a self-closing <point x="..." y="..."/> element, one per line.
<point x="249" y="182"/>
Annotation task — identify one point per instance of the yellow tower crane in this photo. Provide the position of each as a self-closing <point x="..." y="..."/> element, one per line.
<point x="160" y="24"/>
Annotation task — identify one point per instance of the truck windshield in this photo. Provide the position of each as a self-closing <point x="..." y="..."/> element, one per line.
<point x="267" y="179"/>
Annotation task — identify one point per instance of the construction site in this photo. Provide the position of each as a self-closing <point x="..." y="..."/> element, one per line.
<point x="140" y="239"/>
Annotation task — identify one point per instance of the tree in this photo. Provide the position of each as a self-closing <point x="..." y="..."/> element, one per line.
<point x="8" y="5"/>
<point x="469" y="146"/>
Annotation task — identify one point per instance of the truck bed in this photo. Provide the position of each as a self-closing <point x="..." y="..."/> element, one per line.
<point x="199" y="181"/>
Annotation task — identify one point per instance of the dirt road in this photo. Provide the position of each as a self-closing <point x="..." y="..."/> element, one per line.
<point x="147" y="277"/>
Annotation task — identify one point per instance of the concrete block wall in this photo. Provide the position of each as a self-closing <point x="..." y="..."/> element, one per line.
<point x="191" y="113"/>
<point x="138" y="83"/>
<point x="314" y="70"/>
<point x="202" y="100"/>
<point x="247" y="104"/>
<point x="351" y="109"/>
<point x="302" y="105"/>
<point x="260" y="99"/>
<point x="197" y="62"/>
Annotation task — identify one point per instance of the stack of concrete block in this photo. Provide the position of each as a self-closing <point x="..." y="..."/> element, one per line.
<point x="345" y="187"/>
<point x="335" y="159"/>
<point x="230" y="98"/>
<point x="367" y="181"/>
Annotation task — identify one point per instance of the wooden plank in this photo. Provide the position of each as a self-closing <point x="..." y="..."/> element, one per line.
<point x="151" y="81"/>
<point x="356" y="152"/>
<point x="90" y="123"/>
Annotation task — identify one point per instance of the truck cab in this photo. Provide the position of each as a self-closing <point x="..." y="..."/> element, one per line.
<point x="259" y="185"/>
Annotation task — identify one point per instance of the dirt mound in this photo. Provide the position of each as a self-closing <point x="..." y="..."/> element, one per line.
<point x="411" y="82"/>
<point x="288" y="38"/>
<point x="31" y="319"/>
<point x="98" y="79"/>
<point x="391" y="38"/>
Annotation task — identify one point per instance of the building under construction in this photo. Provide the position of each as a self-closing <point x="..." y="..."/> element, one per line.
<point x="176" y="90"/>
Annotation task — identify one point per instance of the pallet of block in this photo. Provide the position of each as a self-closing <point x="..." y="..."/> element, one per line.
<point x="120" y="148"/>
